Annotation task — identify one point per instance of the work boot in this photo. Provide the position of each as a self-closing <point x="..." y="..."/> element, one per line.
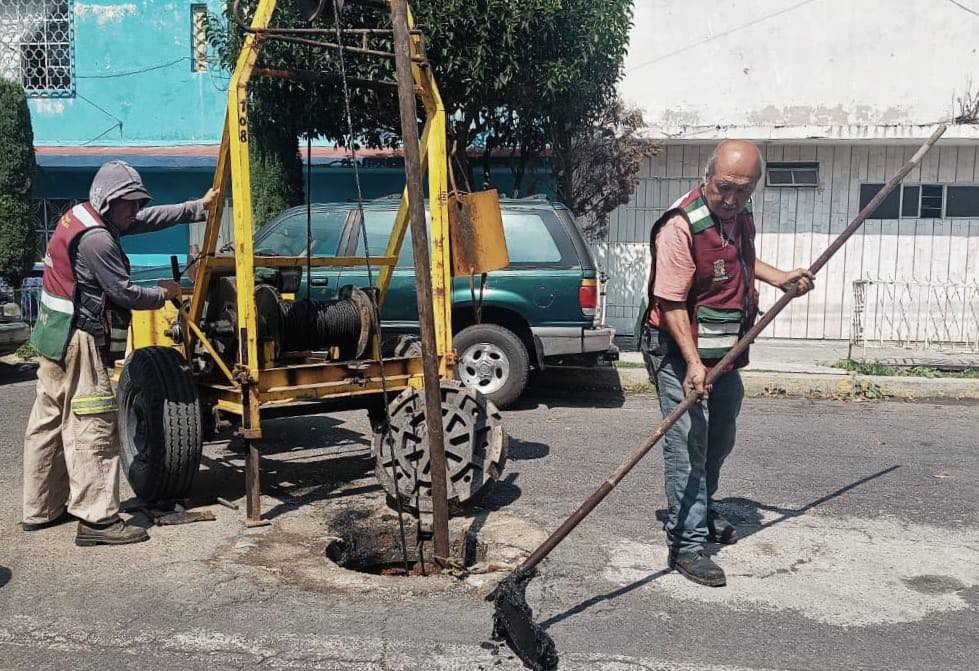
<point x="110" y="533"/>
<point x="699" y="568"/>
<point x="720" y="530"/>
<point x="37" y="526"/>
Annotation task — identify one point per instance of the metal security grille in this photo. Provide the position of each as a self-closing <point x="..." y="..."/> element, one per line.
<point x="938" y="316"/>
<point x="36" y="45"/>
<point x="45" y="214"/>
<point x="198" y="38"/>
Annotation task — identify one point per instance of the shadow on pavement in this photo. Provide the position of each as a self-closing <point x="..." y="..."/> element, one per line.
<point x="745" y="514"/>
<point x="501" y="494"/>
<point x="5" y="575"/>
<point x="520" y="450"/>
<point x="17" y="372"/>
<point x="304" y="460"/>
<point x="570" y="386"/>
<point x="341" y="466"/>
<point x="608" y="596"/>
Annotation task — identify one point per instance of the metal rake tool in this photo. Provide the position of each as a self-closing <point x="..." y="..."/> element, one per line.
<point x="513" y="620"/>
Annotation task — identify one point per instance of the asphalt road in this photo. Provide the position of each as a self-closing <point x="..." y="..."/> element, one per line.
<point x="860" y="550"/>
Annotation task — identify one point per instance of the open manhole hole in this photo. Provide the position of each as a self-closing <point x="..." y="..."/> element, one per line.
<point x="369" y="541"/>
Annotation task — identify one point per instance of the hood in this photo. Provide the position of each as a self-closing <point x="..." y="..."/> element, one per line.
<point x="115" y="180"/>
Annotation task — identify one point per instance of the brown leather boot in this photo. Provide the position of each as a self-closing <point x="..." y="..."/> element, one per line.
<point x="111" y="533"/>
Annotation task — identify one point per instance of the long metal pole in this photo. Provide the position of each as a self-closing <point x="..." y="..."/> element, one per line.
<point x="423" y="277"/>
<point x="722" y="366"/>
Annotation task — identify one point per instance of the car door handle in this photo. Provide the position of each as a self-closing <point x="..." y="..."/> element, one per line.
<point x="320" y="281"/>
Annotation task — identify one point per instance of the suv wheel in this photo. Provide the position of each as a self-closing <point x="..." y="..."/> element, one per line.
<point x="493" y="361"/>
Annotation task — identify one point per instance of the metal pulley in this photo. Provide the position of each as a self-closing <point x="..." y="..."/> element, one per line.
<point x="310" y="10"/>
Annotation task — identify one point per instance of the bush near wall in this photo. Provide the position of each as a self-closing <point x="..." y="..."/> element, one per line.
<point x="17" y="246"/>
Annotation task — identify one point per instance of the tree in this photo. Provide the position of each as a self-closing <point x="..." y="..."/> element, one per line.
<point x="17" y="248"/>
<point x="282" y="111"/>
<point x="596" y="165"/>
<point x="530" y="77"/>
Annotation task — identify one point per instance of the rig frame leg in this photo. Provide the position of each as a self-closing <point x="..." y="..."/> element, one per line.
<point x="253" y="486"/>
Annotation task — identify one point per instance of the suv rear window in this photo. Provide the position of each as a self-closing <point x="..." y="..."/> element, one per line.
<point x="537" y="238"/>
<point x="528" y="240"/>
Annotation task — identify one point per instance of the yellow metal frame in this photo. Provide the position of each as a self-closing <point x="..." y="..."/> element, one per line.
<point x="251" y="383"/>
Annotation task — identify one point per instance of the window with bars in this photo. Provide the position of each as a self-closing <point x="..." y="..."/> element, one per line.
<point x="793" y="174"/>
<point x="198" y="37"/>
<point x="37" y="45"/>
<point x="45" y="214"/>
<point x="923" y="201"/>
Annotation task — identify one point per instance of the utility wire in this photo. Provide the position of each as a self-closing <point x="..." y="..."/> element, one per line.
<point x="725" y="33"/>
<point x="375" y="313"/>
<point x="102" y="134"/>
<point x="964" y="8"/>
<point x="129" y="73"/>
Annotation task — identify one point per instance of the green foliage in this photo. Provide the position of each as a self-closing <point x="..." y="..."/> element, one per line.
<point x="26" y="351"/>
<point x="595" y="165"/>
<point x="883" y="369"/>
<point x="280" y="111"/>
<point x="523" y="75"/>
<point x="17" y="249"/>
<point x="526" y="76"/>
<point x="277" y="175"/>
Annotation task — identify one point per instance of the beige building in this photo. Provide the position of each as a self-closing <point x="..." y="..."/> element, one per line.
<point x="838" y="94"/>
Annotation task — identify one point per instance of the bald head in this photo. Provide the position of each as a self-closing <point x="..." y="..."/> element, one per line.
<point x="732" y="172"/>
<point x="738" y="156"/>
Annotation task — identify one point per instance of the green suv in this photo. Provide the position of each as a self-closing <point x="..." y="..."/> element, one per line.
<point x="543" y="309"/>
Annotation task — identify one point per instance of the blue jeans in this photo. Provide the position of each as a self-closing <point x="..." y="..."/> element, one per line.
<point x="694" y="449"/>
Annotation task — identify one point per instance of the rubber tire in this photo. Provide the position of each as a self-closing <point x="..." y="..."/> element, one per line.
<point x="512" y="347"/>
<point x="172" y="431"/>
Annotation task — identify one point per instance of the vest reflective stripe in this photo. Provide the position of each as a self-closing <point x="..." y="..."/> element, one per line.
<point x="700" y="214"/>
<point x="57" y="303"/>
<point x="118" y="339"/>
<point x="709" y="329"/>
<point x="94" y="405"/>
<point x="84" y="216"/>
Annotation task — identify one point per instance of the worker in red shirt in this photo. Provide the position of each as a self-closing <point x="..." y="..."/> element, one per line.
<point x="702" y="299"/>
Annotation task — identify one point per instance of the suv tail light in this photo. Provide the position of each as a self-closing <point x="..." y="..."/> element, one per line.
<point x="588" y="297"/>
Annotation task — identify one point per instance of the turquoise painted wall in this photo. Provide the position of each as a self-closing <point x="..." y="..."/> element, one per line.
<point x="133" y="80"/>
<point x="134" y="86"/>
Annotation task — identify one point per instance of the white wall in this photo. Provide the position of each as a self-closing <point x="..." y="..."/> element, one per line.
<point x="697" y="64"/>
<point x="796" y="224"/>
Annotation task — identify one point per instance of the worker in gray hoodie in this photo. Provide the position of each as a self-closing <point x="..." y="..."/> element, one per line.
<point x="71" y="450"/>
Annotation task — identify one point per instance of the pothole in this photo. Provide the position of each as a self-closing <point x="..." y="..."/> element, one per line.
<point x="395" y="562"/>
<point x="354" y="545"/>
<point x="373" y="541"/>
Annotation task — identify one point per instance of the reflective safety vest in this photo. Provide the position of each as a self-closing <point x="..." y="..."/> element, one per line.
<point x="722" y="302"/>
<point x="57" y="316"/>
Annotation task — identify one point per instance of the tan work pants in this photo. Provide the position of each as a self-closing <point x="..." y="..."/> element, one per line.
<point x="71" y="450"/>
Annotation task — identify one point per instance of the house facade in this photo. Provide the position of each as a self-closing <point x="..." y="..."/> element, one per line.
<point x="838" y="95"/>
<point x="115" y="79"/>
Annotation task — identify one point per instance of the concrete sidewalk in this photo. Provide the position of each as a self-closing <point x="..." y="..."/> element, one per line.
<point x="805" y="368"/>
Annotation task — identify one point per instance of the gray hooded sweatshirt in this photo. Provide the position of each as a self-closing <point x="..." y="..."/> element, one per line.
<point x="100" y="269"/>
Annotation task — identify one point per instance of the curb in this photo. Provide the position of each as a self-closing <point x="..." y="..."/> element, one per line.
<point x="770" y="384"/>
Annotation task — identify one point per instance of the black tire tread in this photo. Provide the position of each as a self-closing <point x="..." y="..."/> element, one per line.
<point x="174" y="432"/>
